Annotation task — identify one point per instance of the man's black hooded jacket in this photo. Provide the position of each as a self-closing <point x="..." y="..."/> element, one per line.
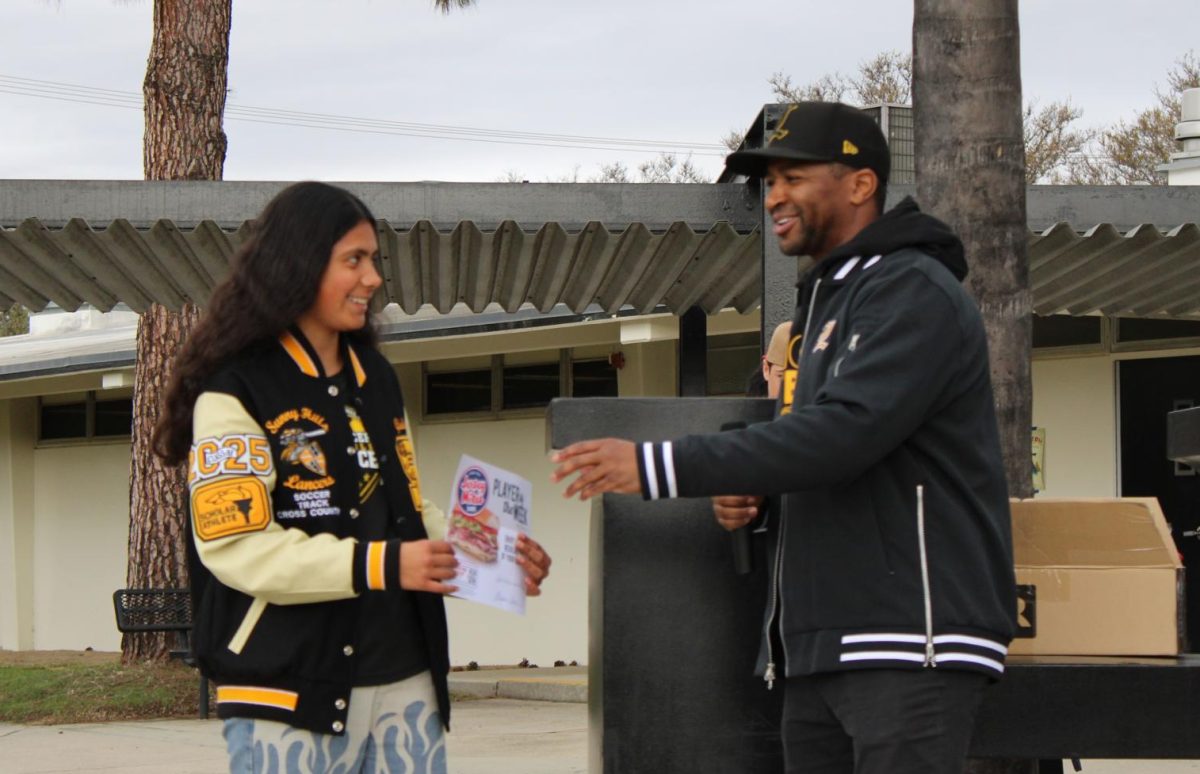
<point x="893" y="548"/>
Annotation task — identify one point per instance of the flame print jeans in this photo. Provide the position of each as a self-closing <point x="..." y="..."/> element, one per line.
<point x="391" y="729"/>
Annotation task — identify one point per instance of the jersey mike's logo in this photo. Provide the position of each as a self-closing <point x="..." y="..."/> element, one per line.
<point x="472" y="491"/>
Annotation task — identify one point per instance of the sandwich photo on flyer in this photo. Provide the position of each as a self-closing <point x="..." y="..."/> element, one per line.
<point x="475" y="535"/>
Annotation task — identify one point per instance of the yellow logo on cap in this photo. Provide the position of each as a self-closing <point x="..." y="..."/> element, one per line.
<point x="849" y="148"/>
<point x="780" y="132"/>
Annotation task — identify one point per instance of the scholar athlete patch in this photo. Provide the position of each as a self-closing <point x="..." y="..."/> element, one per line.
<point x="230" y="506"/>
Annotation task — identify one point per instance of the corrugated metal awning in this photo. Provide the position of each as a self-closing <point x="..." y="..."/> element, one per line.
<point x="1141" y="273"/>
<point x="677" y="267"/>
<point x="641" y="247"/>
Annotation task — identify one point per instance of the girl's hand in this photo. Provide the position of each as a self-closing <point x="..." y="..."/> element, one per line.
<point x="425" y="565"/>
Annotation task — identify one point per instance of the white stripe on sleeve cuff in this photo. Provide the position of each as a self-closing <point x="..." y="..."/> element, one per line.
<point x="669" y="466"/>
<point x="651" y="473"/>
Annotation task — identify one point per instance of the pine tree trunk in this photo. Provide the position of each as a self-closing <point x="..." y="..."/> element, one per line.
<point x="184" y="95"/>
<point x="184" y="90"/>
<point x="970" y="166"/>
<point x="158" y="525"/>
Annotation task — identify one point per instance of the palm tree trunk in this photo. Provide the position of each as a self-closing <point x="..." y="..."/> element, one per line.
<point x="970" y="172"/>
<point x="970" y="166"/>
<point x="184" y="95"/>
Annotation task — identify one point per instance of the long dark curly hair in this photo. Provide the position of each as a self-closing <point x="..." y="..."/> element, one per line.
<point x="274" y="277"/>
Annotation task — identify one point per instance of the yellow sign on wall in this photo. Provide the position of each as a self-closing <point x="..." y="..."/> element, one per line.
<point x="1039" y="459"/>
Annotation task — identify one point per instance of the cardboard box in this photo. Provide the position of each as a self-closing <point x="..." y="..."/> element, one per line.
<point x="1096" y="577"/>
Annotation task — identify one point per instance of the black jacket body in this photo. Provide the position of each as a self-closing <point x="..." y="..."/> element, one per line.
<point x="892" y="546"/>
<point x="277" y="576"/>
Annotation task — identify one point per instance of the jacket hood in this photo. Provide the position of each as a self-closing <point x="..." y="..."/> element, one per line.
<point x="903" y="226"/>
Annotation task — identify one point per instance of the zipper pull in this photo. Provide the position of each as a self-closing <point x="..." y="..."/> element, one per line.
<point x="769" y="675"/>
<point x="930" y="656"/>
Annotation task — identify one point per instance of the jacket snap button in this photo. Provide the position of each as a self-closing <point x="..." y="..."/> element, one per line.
<point x="348" y="650"/>
<point x="350" y="450"/>
<point x="337" y="726"/>
<point x="340" y="704"/>
<point x="354" y="513"/>
<point x="333" y="390"/>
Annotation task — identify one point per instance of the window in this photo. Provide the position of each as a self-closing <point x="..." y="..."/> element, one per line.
<point x="1140" y="329"/>
<point x="593" y="379"/>
<point x="522" y="382"/>
<point x="79" y="417"/>
<point x="530" y="386"/>
<point x="455" y="392"/>
<point x="1062" y="330"/>
<point x="67" y="420"/>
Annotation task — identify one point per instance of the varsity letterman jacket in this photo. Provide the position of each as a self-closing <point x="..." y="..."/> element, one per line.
<point x="280" y="462"/>
<point x="893" y="547"/>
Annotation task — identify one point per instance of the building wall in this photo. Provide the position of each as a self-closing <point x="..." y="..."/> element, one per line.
<point x="67" y="555"/>
<point x="1074" y="399"/>
<point x="80" y="538"/>
<point x="16" y="524"/>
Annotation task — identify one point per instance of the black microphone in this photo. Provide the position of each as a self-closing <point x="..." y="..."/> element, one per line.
<point x="743" y="559"/>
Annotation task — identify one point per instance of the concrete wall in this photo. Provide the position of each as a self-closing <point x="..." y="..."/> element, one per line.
<point x="81" y="533"/>
<point x="1074" y="399"/>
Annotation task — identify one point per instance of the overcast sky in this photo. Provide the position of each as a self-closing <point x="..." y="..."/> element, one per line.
<point x="677" y="72"/>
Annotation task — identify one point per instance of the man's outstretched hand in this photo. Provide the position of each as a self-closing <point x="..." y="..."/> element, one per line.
<point x="602" y="465"/>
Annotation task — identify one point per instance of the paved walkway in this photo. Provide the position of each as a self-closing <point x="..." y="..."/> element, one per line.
<point x="494" y="736"/>
<point x="524" y="721"/>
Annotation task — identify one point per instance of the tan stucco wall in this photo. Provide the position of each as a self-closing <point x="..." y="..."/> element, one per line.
<point x="81" y="529"/>
<point x="1074" y="399"/>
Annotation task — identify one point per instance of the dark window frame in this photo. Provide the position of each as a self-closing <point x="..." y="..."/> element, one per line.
<point x="497" y="410"/>
<point x="89" y="434"/>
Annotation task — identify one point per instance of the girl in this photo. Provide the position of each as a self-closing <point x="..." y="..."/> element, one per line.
<point x="318" y="595"/>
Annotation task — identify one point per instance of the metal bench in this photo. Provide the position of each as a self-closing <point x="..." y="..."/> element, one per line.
<point x="161" y="610"/>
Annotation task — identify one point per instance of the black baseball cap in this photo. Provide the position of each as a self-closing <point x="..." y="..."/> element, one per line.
<point x="822" y="132"/>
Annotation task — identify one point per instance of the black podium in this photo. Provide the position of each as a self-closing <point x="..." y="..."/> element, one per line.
<point x="674" y="634"/>
<point x="673" y="631"/>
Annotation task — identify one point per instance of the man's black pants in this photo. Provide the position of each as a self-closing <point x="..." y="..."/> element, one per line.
<point x="873" y="721"/>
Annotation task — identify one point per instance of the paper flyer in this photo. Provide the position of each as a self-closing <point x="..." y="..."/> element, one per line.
<point x="489" y="508"/>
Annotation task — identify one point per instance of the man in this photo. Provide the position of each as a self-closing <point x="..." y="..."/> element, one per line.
<point x="892" y="592"/>
<point x="774" y="360"/>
